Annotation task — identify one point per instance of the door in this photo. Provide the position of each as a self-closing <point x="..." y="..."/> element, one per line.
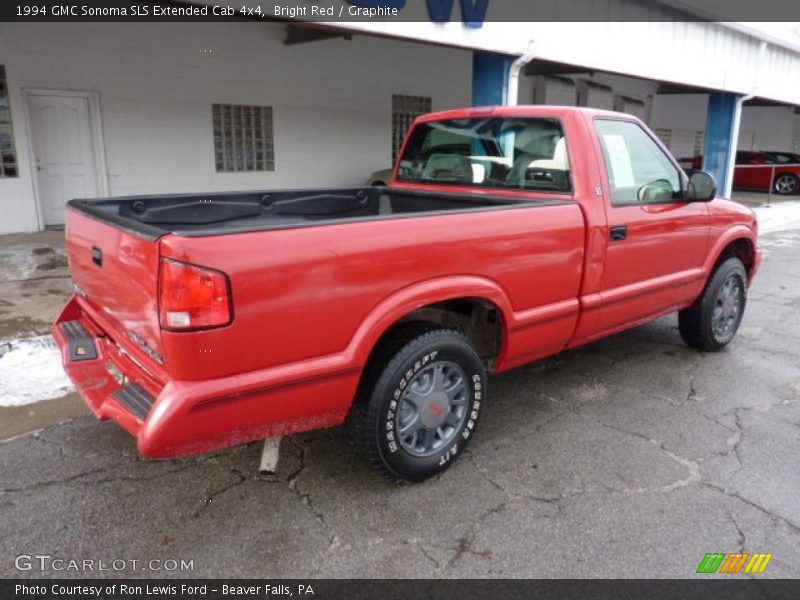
<point x="752" y="172"/>
<point x="656" y="241"/>
<point x="64" y="152"/>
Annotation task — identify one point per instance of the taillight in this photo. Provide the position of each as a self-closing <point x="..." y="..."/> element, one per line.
<point x="192" y="297"/>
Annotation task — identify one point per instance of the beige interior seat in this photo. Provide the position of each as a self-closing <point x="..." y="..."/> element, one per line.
<point x="557" y="165"/>
<point x="559" y="162"/>
<point x="449" y="167"/>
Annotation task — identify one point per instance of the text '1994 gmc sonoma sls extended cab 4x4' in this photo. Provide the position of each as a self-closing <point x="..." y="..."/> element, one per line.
<point x="506" y="235"/>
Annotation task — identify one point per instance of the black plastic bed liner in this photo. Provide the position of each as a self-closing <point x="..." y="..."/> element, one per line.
<point x="238" y="212"/>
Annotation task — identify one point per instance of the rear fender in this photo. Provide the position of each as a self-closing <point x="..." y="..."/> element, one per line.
<point x="406" y="301"/>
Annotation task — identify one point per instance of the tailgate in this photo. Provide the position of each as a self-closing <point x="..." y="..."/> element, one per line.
<point x="116" y="272"/>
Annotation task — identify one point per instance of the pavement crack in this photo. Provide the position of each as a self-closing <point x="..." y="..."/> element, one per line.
<point x="716" y="421"/>
<point x="735" y="495"/>
<point x="240" y="479"/>
<point x="482" y="472"/>
<point x="124" y="478"/>
<point x="736" y="439"/>
<point x="691" y="395"/>
<point x="623" y="358"/>
<point x="742" y="541"/>
<point x="465" y="544"/>
<point x="692" y="466"/>
<point x="62" y="447"/>
<point x="51" y="482"/>
<point x="429" y="556"/>
<point x="292" y="478"/>
<point x="305" y="497"/>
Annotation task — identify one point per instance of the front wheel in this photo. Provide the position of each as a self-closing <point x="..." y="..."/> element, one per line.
<point x="786" y="184"/>
<point x="712" y="321"/>
<point x="424" y="405"/>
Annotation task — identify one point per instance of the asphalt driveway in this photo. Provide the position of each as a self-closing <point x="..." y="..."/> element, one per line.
<point x="631" y="457"/>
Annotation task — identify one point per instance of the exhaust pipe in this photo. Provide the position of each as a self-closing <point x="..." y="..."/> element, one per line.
<point x="270" y="455"/>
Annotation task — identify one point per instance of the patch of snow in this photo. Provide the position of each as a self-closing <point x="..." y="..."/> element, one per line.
<point x="782" y="216"/>
<point x="23" y="261"/>
<point x="31" y="371"/>
<point x="17" y="262"/>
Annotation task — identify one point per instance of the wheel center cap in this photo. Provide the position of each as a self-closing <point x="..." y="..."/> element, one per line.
<point x="727" y="307"/>
<point x="435" y="410"/>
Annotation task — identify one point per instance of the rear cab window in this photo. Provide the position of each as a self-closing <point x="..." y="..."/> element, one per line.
<point x="492" y="152"/>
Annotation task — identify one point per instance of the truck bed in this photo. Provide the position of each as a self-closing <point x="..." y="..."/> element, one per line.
<point x="222" y="213"/>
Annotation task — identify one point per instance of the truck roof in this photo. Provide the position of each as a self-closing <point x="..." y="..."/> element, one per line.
<point x="532" y="110"/>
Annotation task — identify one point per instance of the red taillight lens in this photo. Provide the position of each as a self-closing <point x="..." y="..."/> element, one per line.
<point x="192" y="297"/>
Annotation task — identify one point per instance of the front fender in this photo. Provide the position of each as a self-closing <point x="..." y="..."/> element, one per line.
<point x="730" y="235"/>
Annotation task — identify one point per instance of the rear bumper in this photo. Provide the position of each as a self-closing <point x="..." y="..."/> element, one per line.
<point x="175" y="418"/>
<point x="86" y="352"/>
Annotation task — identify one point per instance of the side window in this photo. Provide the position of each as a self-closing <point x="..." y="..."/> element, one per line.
<point x="638" y="170"/>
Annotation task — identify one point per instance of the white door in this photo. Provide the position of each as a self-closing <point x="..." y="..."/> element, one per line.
<point x="66" y="165"/>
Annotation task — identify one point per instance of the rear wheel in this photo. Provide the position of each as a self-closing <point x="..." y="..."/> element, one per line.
<point x="786" y="184"/>
<point x="712" y="321"/>
<point x="422" y="401"/>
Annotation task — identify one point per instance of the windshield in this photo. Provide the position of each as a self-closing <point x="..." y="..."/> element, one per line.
<point x="527" y="154"/>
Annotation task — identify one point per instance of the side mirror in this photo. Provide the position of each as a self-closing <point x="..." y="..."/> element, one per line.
<point x="701" y="188"/>
<point x="659" y="190"/>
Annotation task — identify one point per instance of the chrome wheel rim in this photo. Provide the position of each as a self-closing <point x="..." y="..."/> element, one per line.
<point x="432" y="408"/>
<point x="786" y="184"/>
<point x="728" y="307"/>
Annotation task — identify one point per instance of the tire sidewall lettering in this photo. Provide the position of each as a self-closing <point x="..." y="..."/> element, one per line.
<point x="456" y="444"/>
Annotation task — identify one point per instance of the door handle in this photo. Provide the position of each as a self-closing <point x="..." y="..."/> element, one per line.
<point x="618" y="233"/>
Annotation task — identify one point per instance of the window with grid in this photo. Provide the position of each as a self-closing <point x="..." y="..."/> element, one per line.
<point x="243" y="138"/>
<point x="404" y="110"/>
<point x="665" y="135"/>
<point x="699" y="139"/>
<point x="8" y="154"/>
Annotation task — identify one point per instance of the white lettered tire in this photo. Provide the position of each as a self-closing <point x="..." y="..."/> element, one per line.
<point x="421" y="404"/>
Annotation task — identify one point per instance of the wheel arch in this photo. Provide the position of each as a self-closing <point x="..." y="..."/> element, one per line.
<point x="475" y="306"/>
<point x="739" y="242"/>
<point x="782" y="173"/>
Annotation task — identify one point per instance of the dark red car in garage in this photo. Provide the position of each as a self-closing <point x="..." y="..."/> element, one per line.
<point x="760" y="170"/>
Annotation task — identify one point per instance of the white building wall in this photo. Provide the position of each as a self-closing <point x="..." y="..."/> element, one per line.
<point x="331" y="99"/>
<point x="683" y="115"/>
<point x="761" y="127"/>
<point x="767" y="128"/>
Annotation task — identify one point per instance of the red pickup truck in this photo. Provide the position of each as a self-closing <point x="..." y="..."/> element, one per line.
<point x="506" y="235"/>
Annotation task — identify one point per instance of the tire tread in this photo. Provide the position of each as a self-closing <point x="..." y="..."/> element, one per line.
<point x="384" y="362"/>
<point x="694" y="323"/>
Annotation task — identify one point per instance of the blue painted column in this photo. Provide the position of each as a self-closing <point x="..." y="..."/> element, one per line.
<point x="722" y="131"/>
<point x="490" y="78"/>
